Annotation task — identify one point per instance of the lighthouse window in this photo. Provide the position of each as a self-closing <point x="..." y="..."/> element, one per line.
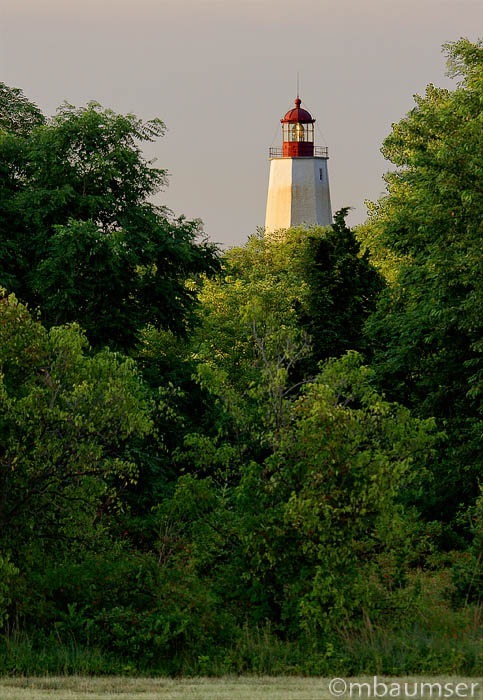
<point x="297" y="132"/>
<point x="321" y="174"/>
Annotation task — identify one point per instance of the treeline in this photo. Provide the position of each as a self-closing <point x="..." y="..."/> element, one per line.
<point x="264" y="461"/>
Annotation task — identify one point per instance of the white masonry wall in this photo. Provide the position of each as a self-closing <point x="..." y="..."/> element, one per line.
<point x="298" y="193"/>
<point x="279" y="200"/>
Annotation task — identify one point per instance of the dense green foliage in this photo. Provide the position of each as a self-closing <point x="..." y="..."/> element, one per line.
<point x="79" y="236"/>
<point x="266" y="462"/>
<point x="426" y="333"/>
<point x="66" y="418"/>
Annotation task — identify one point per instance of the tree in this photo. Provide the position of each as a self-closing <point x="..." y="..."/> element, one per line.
<point x="67" y="420"/>
<point x="17" y="114"/>
<point x="293" y="540"/>
<point x="79" y="235"/>
<point x="426" y="330"/>
<point x="312" y="281"/>
<point x="279" y="306"/>
<point x="343" y="287"/>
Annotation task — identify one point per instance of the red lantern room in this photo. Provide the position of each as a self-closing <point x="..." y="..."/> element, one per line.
<point x="298" y="133"/>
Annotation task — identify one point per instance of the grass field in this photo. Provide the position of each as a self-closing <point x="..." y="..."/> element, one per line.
<point x="233" y="688"/>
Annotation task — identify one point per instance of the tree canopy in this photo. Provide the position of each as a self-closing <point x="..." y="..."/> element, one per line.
<point x="426" y="333"/>
<point x="66" y="420"/>
<point x="81" y="238"/>
<point x="265" y="461"/>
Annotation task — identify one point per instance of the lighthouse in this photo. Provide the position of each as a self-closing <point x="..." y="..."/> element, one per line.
<point x="298" y="188"/>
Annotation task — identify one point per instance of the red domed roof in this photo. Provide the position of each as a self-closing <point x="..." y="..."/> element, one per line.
<point x="298" y="115"/>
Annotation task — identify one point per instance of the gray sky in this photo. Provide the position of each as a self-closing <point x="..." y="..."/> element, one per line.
<point x="221" y="75"/>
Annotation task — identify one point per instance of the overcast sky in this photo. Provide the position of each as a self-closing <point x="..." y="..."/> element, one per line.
<point x="221" y="75"/>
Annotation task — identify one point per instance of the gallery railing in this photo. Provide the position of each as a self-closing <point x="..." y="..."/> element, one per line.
<point x="319" y="152"/>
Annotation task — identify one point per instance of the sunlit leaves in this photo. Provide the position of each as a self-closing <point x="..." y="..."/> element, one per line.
<point x="426" y="233"/>
<point x="66" y="425"/>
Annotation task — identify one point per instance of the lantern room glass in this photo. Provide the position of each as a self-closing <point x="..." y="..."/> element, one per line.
<point x="298" y="132"/>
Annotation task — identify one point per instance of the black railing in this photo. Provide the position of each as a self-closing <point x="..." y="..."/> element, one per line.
<point x="319" y="152"/>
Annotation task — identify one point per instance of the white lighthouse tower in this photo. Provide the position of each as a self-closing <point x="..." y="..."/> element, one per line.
<point x="298" y="188"/>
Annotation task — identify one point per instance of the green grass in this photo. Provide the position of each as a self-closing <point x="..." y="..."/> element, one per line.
<point x="227" y="688"/>
<point x="435" y="641"/>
